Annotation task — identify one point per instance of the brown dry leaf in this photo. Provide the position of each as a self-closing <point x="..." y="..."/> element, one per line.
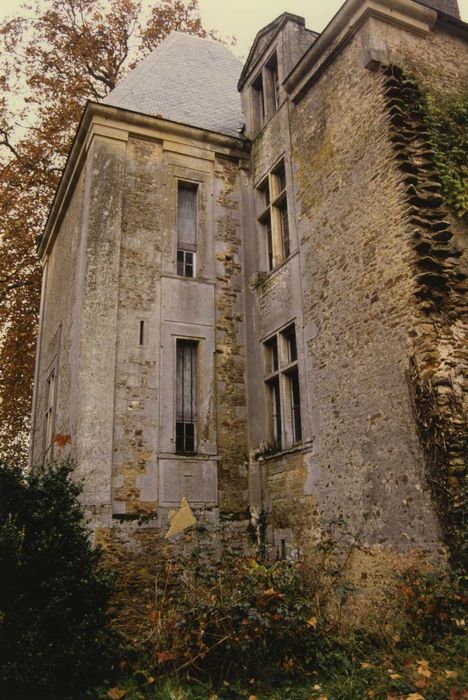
<point x="421" y="683"/>
<point x="252" y="697"/>
<point x="163" y="656"/>
<point x="116" y="693"/>
<point x="312" y="622"/>
<point x="322" y="697"/>
<point x="394" y="676"/>
<point x="154" y="616"/>
<point x="415" y="696"/>
<point x="458" y="694"/>
<point x="365" y="666"/>
<point x="61" y="439"/>
<point x="423" y="668"/>
<point x="450" y="674"/>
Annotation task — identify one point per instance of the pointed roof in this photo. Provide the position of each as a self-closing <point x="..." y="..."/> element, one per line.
<point x="185" y="79"/>
<point x="265" y="36"/>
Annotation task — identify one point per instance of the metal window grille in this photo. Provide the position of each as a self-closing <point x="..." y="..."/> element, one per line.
<point x="186" y="395"/>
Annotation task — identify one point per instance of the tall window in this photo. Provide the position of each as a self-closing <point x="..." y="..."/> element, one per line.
<point x="186" y="395"/>
<point x="273" y="80"/>
<point x="50" y="411"/>
<point x="187" y="196"/>
<point x="282" y="389"/>
<point x="274" y="217"/>
<point x="258" y="94"/>
<point x="265" y="92"/>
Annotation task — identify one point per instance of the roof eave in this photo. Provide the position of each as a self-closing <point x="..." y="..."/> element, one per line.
<point x="77" y="154"/>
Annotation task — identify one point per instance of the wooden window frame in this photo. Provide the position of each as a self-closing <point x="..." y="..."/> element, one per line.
<point x="272" y="194"/>
<point x="283" y="396"/>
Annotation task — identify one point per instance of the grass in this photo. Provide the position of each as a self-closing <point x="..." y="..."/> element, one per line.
<point x="415" y="672"/>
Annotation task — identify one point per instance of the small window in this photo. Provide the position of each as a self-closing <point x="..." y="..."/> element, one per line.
<point x="50" y="412"/>
<point x="274" y="217"/>
<point x="282" y="389"/>
<point x="186" y="395"/>
<point x="187" y="204"/>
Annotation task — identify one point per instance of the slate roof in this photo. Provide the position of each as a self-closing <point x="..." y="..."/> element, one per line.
<point x="188" y="80"/>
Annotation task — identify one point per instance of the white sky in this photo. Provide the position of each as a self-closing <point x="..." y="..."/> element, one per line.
<point x="244" y="18"/>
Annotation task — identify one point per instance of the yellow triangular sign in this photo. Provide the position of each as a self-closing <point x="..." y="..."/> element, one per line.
<point x="180" y="519"/>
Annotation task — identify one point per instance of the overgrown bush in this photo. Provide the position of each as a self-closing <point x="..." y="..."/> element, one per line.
<point x="434" y="604"/>
<point x="55" y="641"/>
<point x="219" y="614"/>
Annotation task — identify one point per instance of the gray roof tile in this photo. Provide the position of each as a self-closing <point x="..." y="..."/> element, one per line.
<point x="188" y="80"/>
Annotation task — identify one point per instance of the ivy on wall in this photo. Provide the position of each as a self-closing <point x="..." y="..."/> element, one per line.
<point x="446" y="116"/>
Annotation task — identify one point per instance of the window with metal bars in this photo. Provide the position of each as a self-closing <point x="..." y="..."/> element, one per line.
<point x="282" y="389"/>
<point x="186" y="395"/>
<point x="49" y="412"/>
<point x="187" y="205"/>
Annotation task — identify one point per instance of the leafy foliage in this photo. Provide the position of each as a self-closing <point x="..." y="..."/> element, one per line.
<point x="53" y="58"/>
<point x="221" y="615"/>
<point x="214" y="633"/>
<point x="447" y="119"/>
<point x="55" y="640"/>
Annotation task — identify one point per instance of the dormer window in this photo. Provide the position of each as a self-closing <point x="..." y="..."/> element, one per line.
<point x="259" y="100"/>
<point x="265" y="93"/>
<point x="273" y="78"/>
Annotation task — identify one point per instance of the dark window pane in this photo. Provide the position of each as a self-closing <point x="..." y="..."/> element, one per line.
<point x="186" y="395"/>
<point x="269" y="242"/>
<point x="290" y="335"/>
<point x="281" y="175"/>
<point x="285" y="230"/>
<point x="259" y="99"/>
<point x="295" y="406"/>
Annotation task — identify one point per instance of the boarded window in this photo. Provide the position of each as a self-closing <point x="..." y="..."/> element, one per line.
<point x="187" y="216"/>
<point x="186" y="395"/>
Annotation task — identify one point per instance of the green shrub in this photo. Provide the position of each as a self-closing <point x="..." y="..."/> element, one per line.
<point x="434" y="604"/>
<point x="221" y="615"/>
<point x="54" y="635"/>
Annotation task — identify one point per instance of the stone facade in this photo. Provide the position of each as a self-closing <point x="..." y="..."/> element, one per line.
<point x="319" y="340"/>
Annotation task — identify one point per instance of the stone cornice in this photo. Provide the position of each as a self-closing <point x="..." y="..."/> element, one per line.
<point x="100" y="120"/>
<point x="354" y="13"/>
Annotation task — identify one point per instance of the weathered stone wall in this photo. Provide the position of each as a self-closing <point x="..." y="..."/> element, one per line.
<point x="147" y="473"/>
<point x="56" y="348"/>
<point x="359" y="309"/>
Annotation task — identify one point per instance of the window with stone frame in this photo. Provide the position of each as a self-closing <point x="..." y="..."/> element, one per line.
<point x="265" y="92"/>
<point x="49" y="417"/>
<point x="187" y="225"/>
<point x="274" y="217"/>
<point x="186" y="396"/>
<point x="283" y="394"/>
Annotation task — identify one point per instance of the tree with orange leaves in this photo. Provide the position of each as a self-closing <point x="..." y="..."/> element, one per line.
<point x="54" y="57"/>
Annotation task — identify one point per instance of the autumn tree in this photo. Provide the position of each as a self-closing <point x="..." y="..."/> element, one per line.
<point x="55" y="55"/>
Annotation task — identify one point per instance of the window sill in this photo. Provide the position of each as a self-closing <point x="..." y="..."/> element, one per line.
<point x="266" y="276"/>
<point x="285" y="452"/>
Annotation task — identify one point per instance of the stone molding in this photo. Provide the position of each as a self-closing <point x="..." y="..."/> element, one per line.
<point x="407" y="14"/>
<point x="109" y="122"/>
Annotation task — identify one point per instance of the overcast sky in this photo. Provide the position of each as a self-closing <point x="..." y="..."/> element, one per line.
<point x="244" y="18"/>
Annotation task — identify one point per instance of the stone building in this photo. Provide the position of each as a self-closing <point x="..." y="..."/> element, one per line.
<point x="253" y="286"/>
